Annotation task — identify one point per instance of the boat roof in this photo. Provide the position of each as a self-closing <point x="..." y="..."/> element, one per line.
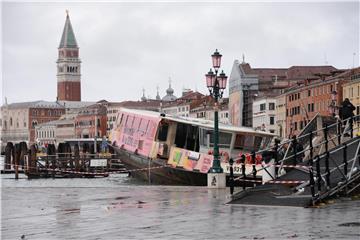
<point x="208" y="124"/>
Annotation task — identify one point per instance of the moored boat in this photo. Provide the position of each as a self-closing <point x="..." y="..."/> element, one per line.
<point x="172" y="150"/>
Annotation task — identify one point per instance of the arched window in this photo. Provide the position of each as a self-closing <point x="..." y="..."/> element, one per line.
<point x="10" y="122"/>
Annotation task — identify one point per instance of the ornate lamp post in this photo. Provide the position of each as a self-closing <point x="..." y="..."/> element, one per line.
<point x="216" y="85"/>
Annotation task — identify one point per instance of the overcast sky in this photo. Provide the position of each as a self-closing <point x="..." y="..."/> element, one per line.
<point x="125" y="47"/>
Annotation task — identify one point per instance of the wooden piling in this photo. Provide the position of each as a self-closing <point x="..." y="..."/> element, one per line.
<point x="17" y="160"/>
<point x="32" y="159"/>
<point x="8" y="155"/>
<point x="231" y="178"/>
<point x="76" y="157"/>
<point x="243" y="170"/>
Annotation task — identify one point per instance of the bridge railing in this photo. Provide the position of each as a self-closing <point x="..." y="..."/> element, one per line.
<point x="288" y="153"/>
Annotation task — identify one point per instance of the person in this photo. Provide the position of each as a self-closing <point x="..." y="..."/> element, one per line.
<point x="346" y="111"/>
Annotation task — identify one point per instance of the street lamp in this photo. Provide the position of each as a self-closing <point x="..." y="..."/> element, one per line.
<point x="216" y="85"/>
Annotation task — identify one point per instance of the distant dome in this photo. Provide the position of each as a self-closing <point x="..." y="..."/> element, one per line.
<point x="169" y="94"/>
<point x="168" y="98"/>
<point x="169" y="91"/>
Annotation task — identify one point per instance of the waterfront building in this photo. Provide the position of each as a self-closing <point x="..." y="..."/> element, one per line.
<point x="321" y="95"/>
<point x="91" y="121"/>
<point x="177" y="108"/>
<point x="68" y="66"/>
<point x="245" y="83"/>
<point x="18" y="120"/>
<point x="204" y="109"/>
<point x="45" y="133"/>
<point x="264" y="114"/>
<point x="223" y="111"/>
<point x="55" y="131"/>
<point x="112" y="109"/>
<point x="280" y="112"/>
<point x="183" y="105"/>
<point x="351" y="90"/>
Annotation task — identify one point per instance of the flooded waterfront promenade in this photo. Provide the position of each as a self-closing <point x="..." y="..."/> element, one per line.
<point x="121" y="208"/>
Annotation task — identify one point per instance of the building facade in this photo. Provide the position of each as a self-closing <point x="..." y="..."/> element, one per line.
<point x="204" y="109"/>
<point x="246" y="83"/>
<point x="280" y="113"/>
<point x="322" y="95"/>
<point x="55" y="131"/>
<point x="68" y="66"/>
<point x="18" y="120"/>
<point x="183" y="105"/>
<point x="91" y="122"/>
<point x="45" y="133"/>
<point x="264" y="114"/>
<point x="351" y="90"/>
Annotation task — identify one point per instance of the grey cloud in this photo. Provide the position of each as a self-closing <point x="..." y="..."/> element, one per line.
<point x="127" y="46"/>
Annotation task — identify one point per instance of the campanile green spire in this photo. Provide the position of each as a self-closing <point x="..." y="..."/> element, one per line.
<point x="68" y="39"/>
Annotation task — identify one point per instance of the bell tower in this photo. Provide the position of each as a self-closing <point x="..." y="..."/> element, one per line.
<point x="68" y="66"/>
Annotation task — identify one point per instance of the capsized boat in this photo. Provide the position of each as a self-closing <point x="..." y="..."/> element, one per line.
<point x="171" y="150"/>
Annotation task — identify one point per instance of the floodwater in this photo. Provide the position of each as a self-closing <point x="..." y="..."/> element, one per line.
<point x="121" y="208"/>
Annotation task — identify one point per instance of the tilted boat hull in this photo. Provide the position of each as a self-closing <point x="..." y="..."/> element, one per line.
<point x="159" y="172"/>
<point x="163" y="174"/>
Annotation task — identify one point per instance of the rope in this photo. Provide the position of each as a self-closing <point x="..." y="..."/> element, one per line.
<point x="80" y="172"/>
<point x="271" y="181"/>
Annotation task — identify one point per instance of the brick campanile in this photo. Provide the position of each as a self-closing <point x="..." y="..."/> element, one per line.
<point x="68" y="66"/>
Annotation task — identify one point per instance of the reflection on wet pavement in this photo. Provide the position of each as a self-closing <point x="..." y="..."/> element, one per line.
<point x="121" y="208"/>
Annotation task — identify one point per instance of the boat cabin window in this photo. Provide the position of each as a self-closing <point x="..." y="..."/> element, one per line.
<point x="266" y="142"/>
<point x="187" y="137"/>
<point x="224" y="138"/>
<point x="143" y="127"/>
<point x="244" y="142"/>
<point x="257" y="143"/>
<point x="163" y="131"/>
<point x="239" y="141"/>
<point x="250" y="142"/>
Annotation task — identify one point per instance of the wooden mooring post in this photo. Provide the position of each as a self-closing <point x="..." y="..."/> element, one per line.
<point x="17" y="160"/>
<point x="9" y="153"/>
<point x="231" y="178"/>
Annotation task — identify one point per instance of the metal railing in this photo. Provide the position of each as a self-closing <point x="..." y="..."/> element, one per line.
<point x="313" y="157"/>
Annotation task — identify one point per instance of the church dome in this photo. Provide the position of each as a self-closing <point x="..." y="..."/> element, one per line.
<point x="169" y="91"/>
<point x="169" y="98"/>
<point x="169" y="94"/>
